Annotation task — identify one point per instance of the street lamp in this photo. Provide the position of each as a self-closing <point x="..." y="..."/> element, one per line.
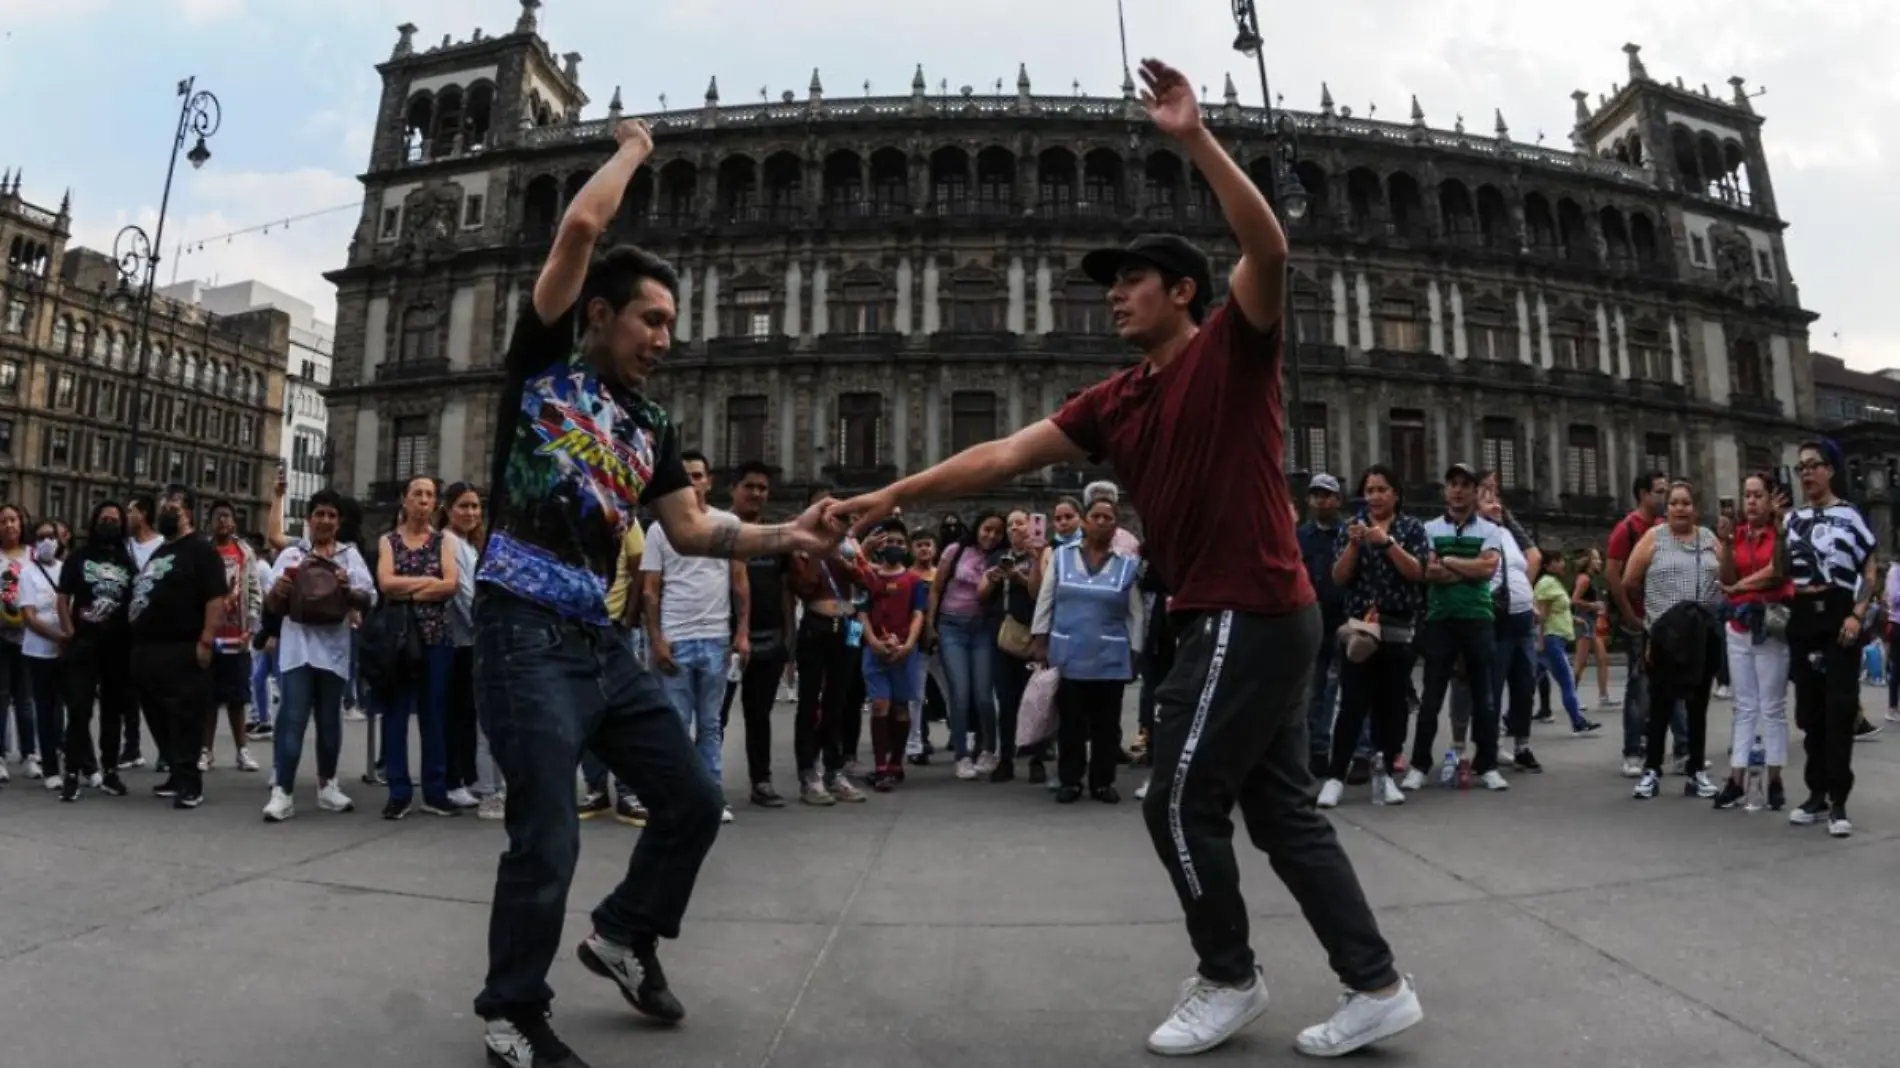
<point x="1287" y="197"/>
<point x="136" y="253"/>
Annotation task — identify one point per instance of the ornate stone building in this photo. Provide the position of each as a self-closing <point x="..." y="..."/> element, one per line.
<point x="209" y="401"/>
<point x="871" y="283"/>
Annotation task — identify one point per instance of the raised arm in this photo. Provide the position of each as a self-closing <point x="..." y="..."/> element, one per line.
<point x="971" y="471"/>
<point x="693" y="531"/>
<point x="587" y="216"/>
<point x="1259" y="279"/>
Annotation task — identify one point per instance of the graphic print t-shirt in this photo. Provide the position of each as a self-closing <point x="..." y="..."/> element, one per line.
<point x="231" y="635"/>
<point x="99" y="585"/>
<point x="169" y="596"/>
<point x="574" y="460"/>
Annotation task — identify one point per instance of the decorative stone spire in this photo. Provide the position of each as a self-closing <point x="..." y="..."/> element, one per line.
<point x="614" y="106"/>
<point x="66" y="205"/>
<point x="571" y="67"/>
<point x="816" y="87"/>
<point x="1325" y="100"/>
<point x="712" y="92"/>
<point x="1022" y="78"/>
<point x="1583" y="106"/>
<point x="1741" y="93"/>
<point x="917" y="84"/>
<point x="405" y="41"/>
<point x="1230" y="95"/>
<point x="528" y="22"/>
<point x="1504" y="132"/>
<point x="1638" y="73"/>
<point x="6" y="177"/>
<point x="1418" y="113"/>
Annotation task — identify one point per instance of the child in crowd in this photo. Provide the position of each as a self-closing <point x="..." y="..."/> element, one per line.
<point x="899" y="597"/>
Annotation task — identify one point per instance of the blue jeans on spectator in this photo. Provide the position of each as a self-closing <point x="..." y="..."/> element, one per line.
<point x="547" y="688"/>
<point x="967" y="645"/>
<point x="1324" y="702"/>
<point x="1557" y="662"/>
<point x="16" y="687"/>
<point x="698" y="692"/>
<point x="427" y="699"/>
<point x="308" y="693"/>
<point x="264" y="669"/>
<point x="1517" y="634"/>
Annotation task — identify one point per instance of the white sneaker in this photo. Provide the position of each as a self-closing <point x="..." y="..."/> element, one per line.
<point x="1839" y="827"/>
<point x="1330" y="792"/>
<point x="1207" y="1015"/>
<point x="5" y="776"/>
<point x="1606" y="701"/>
<point x="244" y="761"/>
<point x="1493" y="781"/>
<point x="53" y="783"/>
<point x="726" y="815"/>
<point x="1723" y="693"/>
<point x="280" y="807"/>
<point x="461" y="798"/>
<point x="331" y="799"/>
<point x="1141" y="792"/>
<point x="966" y="770"/>
<point x="1647" y="786"/>
<point x="30" y="768"/>
<point x="95" y="781"/>
<point x="1702" y="785"/>
<point x="1414" y="779"/>
<point x="1362" y="1019"/>
<point x="493" y="807"/>
<point x="986" y="763"/>
<point x="353" y="714"/>
<point x="204" y="761"/>
<point x="1386" y="792"/>
<point x="1632" y="767"/>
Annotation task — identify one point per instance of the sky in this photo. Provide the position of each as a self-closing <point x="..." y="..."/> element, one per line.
<point x="299" y="94"/>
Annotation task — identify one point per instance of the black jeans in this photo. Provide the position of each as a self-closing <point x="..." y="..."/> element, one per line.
<point x="1230" y="727"/>
<point x="757" y="689"/>
<point x="1010" y="677"/>
<point x="1374" y="691"/>
<point x="49" y="713"/>
<point x="95" y="670"/>
<point x="176" y="691"/>
<point x="458" y="724"/>
<point x="1671" y="681"/>
<point x="1827" y="694"/>
<point x="1513" y="670"/>
<point x="826" y="666"/>
<point x="1442" y="643"/>
<point x="545" y="689"/>
<point x="1088" y="731"/>
<point x="16" y="688"/>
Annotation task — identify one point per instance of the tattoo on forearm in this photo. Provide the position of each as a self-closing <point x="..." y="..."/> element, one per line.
<point x="725" y="537"/>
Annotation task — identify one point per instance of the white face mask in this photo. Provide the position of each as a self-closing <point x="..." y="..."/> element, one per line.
<point x="46" y="550"/>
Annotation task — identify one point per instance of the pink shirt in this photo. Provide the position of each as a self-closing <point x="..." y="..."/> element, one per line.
<point x="960" y="590"/>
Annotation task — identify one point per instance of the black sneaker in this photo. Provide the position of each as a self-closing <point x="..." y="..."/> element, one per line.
<point x="1358" y="773"/>
<point x="1777" y="796"/>
<point x="1005" y="771"/>
<point x="189" y="799"/>
<point x="1068" y="795"/>
<point x="1731" y="795"/>
<point x="167" y="788"/>
<point x="595" y="804"/>
<point x="1038" y="773"/>
<point x="629" y="811"/>
<point x="1588" y="730"/>
<point x="395" y="809"/>
<point x="636" y="971"/>
<point x="1107" y="795"/>
<point x="1525" y="761"/>
<point x="921" y="760"/>
<point x="1546" y="716"/>
<point x="444" y="807"/>
<point x="525" y="1040"/>
<point x="765" y="795"/>
<point x="69" y="788"/>
<point x="1866" y="730"/>
<point x="112" y="784"/>
<point x="260" y="731"/>
<point x="163" y="767"/>
<point x="1813" y="810"/>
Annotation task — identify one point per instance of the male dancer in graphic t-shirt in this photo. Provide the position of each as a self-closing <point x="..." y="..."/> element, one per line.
<point x="1194" y="432"/>
<point x="579" y="449"/>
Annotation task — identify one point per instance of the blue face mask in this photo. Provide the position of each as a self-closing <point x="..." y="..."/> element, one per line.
<point x="1069" y="539"/>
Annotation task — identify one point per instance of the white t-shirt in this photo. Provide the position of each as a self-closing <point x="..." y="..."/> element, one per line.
<point x="697" y="599"/>
<point x="142" y="550"/>
<point x="325" y="648"/>
<point x="40" y="592"/>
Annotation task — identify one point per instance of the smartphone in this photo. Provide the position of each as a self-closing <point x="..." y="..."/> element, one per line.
<point x="1039" y="530"/>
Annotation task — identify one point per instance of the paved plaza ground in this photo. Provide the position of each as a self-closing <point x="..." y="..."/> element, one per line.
<point x="959" y="924"/>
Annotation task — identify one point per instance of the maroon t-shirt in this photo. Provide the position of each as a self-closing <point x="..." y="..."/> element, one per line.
<point x="1623" y="538"/>
<point x="1199" y="446"/>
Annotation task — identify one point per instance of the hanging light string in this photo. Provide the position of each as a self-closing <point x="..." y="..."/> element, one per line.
<point x="197" y="244"/>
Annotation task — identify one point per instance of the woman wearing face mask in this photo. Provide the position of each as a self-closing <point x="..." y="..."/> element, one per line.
<point x="42" y="643"/>
<point x="15" y="686"/>
<point x="1013" y="596"/>
<point x="94" y="586"/>
<point x="966" y="635"/>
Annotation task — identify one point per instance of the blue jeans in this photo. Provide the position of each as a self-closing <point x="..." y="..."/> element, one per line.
<point x="308" y="692"/>
<point x="1557" y="663"/>
<point x="1325" y="700"/>
<point x="427" y="699"/>
<point x="698" y="692"/>
<point x="968" y="645"/>
<point x="264" y="669"/>
<point x="545" y="689"/>
<point x="1517" y="636"/>
<point x="593" y="769"/>
<point x="18" y="688"/>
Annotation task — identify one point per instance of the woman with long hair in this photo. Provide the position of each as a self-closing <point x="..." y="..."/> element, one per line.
<point x="44" y="638"/>
<point x="461" y="516"/>
<point x="418" y="566"/>
<point x="1753" y="579"/>
<point x="1589" y="602"/>
<point x="95" y="586"/>
<point x="15" y="687"/>
<point x="1558" y="627"/>
<point x="1676" y="570"/>
<point x="1015" y="602"/>
<point x="966" y="634"/>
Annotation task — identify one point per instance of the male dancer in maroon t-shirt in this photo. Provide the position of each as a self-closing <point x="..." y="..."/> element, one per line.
<point x="1194" y="431"/>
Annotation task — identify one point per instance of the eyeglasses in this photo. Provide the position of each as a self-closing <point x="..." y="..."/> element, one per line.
<point x="1809" y="465"/>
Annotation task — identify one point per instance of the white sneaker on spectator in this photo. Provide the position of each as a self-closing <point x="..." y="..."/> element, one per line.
<point x="280" y="807"/>
<point x="331" y="799"/>
<point x="244" y="761"/>
<point x="461" y="798"/>
<point x="986" y="763"/>
<point x="53" y="783"/>
<point x="493" y="807"/>
<point x="1207" y="1015"/>
<point x="1414" y="779"/>
<point x="31" y="767"/>
<point x="1362" y="1019"/>
<point x="1330" y="793"/>
<point x="1493" y="780"/>
<point x="1141" y="792"/>
<point x="204" y="761"/>
<point x="966" y="769"/>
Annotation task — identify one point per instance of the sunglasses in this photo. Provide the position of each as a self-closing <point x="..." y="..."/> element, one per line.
<point x="1810" y="465"/>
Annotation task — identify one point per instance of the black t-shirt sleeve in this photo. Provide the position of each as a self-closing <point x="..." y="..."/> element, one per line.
<point x="208" y="568"/>
<point x="535" y="344"/>
<point x="669" y="471"/>
<point x="70" y="576"/>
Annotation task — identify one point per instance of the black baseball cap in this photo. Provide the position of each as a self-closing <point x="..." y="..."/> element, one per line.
<point x="1462" y="470"/>
<point x="1167" y="252"/>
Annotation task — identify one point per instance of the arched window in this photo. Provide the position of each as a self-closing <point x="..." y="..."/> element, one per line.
<point x="62" y="333"/>
<point x="191" y="371"/>
<point x="102" y="344"/>
<point x="118" y="348"/>
<point x="79" y="339"/>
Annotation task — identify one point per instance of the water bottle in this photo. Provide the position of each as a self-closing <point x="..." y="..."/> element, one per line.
<point x="1756" y="782"/>
<point x="1448" y="772"/>
<point x="735" y="668"/>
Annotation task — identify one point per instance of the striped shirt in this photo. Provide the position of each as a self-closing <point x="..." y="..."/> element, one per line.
<point x="1828" y="546"/>
<point x="1450" y="540"/>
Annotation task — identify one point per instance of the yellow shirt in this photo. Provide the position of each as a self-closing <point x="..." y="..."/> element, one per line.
<point x="627" y="580"/>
